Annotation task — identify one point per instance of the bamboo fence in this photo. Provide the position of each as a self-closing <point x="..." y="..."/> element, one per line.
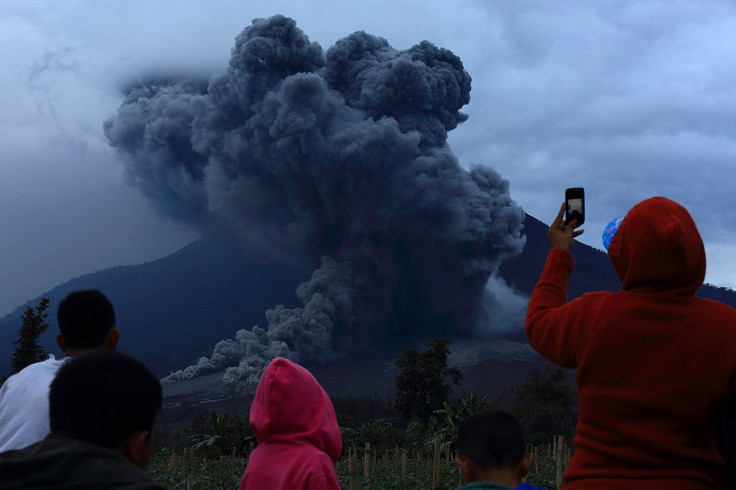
<point x="397" y="460"/>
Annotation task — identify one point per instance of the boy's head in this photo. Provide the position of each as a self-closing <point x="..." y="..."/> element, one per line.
<point x="107" y="398"/>
<point x="86" y="321"/>
<point x="491" y="447"/>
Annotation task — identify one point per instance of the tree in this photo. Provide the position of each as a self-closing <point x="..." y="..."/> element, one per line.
<point x="420" y="386"/>
<point x="228" y="431"/>
<point x="27" y="347"/>
<point x="544" y="406"/>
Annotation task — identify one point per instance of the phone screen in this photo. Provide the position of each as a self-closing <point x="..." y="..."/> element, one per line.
<point x="575" y="205"/>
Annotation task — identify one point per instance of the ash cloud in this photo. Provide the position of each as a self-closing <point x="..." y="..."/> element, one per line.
<point x="336" y="159"/>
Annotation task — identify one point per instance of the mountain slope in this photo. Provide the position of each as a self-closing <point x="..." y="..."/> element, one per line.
<point x="593" y="270"/>
<point x="173" y="310"/>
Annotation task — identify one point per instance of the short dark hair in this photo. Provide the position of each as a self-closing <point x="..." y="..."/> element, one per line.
<point x="103" y="396"/>
<point x="85" y="318"/>
<point x="491" y="439"/>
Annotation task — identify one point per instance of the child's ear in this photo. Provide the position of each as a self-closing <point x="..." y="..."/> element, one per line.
<point x="111" y="341"/>
<point x="526" y="463"/>
<point x="464" y="465"/>
<point x="60" y="342"/>
<point x="137" y="448"/>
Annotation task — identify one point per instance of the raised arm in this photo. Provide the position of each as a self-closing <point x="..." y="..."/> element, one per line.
<point x="550" y="318"/>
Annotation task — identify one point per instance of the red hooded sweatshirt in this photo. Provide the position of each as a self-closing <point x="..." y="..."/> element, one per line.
<point x="295" y="426"/>
<point x="654" y="363"/>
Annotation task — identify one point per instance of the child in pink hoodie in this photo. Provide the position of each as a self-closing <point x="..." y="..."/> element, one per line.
<point x="295" y="425"/>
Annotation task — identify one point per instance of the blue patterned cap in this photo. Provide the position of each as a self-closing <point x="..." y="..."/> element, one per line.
<point x="610" y="230"/>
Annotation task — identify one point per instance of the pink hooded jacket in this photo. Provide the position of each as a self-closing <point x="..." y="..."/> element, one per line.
<point x="295" y="425"/>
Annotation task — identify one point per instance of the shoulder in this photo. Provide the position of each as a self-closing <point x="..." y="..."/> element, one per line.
<point x="325" y="478"/>
<point x="717" y="306"/>
<point x="598" y="296"/>
<point x="719" y="316"/>
<point x="300" y="455"/>
<point x="152" y="485"/>
<point x="35" y="371"/>
<point x="318" y="464"/>
<point x="49" y="365"/>
<point x="527" y="486"/>
<point x="69" y="460"/>
<point x="484" y="485"/>
<point x="315" y="457"/>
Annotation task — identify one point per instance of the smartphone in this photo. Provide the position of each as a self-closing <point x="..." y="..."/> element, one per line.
<point x="575" y="205"/>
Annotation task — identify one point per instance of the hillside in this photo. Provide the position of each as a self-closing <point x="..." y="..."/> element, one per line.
<point x="173" y="310"/>
<point x="593" y="270"/>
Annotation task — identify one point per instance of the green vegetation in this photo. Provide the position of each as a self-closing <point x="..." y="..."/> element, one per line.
<point x="544" y="406"/>
<point x="399" y="467"/>
<point x="420" y="386"/>
<point x="226" y="432"/>
<point x="171" y="471"/>
<point x="398" y="458"/>
<point x="392" y="445"/>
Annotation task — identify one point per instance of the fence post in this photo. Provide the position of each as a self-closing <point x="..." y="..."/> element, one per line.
<point x="436" y="466"/>
<point x="366" y="460"/>
<point x="559" y="441"/>
<point x="403" y="463"/>
<point x="190" y="474"/>
<point x="232" y="461"/>
<point x="185" y="462"/>
<point x="353" y="469"/>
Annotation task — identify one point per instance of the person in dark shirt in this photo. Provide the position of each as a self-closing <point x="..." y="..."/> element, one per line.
<point x="102" y="407"/>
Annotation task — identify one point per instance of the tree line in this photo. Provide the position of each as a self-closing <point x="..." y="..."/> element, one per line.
<point x="544" y="405"/>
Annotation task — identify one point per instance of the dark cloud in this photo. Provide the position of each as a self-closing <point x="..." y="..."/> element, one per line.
<point x="338" y="158"/>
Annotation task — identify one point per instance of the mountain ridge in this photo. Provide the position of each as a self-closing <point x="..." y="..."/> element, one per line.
<point x="173" y="310"/>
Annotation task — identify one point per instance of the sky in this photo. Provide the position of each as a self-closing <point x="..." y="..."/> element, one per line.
<point x="628" y="99"/>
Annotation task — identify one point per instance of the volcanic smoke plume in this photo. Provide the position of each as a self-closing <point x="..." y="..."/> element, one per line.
<point x="338" y="160"/>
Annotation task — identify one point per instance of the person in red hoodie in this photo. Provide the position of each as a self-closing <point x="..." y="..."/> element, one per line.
<point x="295" y="425"/>
<point x="654" y="363"/>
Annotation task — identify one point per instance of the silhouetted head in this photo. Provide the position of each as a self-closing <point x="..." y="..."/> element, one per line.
<point x="491" y="447"/>
<point x="108" y="398"/>
<point x="86" y="321"/>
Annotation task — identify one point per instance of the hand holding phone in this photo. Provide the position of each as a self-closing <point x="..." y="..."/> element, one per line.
<point x="559" y="234"/>
<point x="574" y="205"/>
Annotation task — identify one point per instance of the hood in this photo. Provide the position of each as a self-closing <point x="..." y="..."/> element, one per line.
<point x="291" y="406"/>
<point x="657" y="248"/>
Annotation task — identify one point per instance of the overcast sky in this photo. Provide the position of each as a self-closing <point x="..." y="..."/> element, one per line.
<point x="628" y="99"/>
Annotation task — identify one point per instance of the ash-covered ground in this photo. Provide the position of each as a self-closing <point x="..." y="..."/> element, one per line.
<point x="489" y="366"/>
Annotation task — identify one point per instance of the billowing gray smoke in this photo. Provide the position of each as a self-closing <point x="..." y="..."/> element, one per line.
<point x="339" y="159"/>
